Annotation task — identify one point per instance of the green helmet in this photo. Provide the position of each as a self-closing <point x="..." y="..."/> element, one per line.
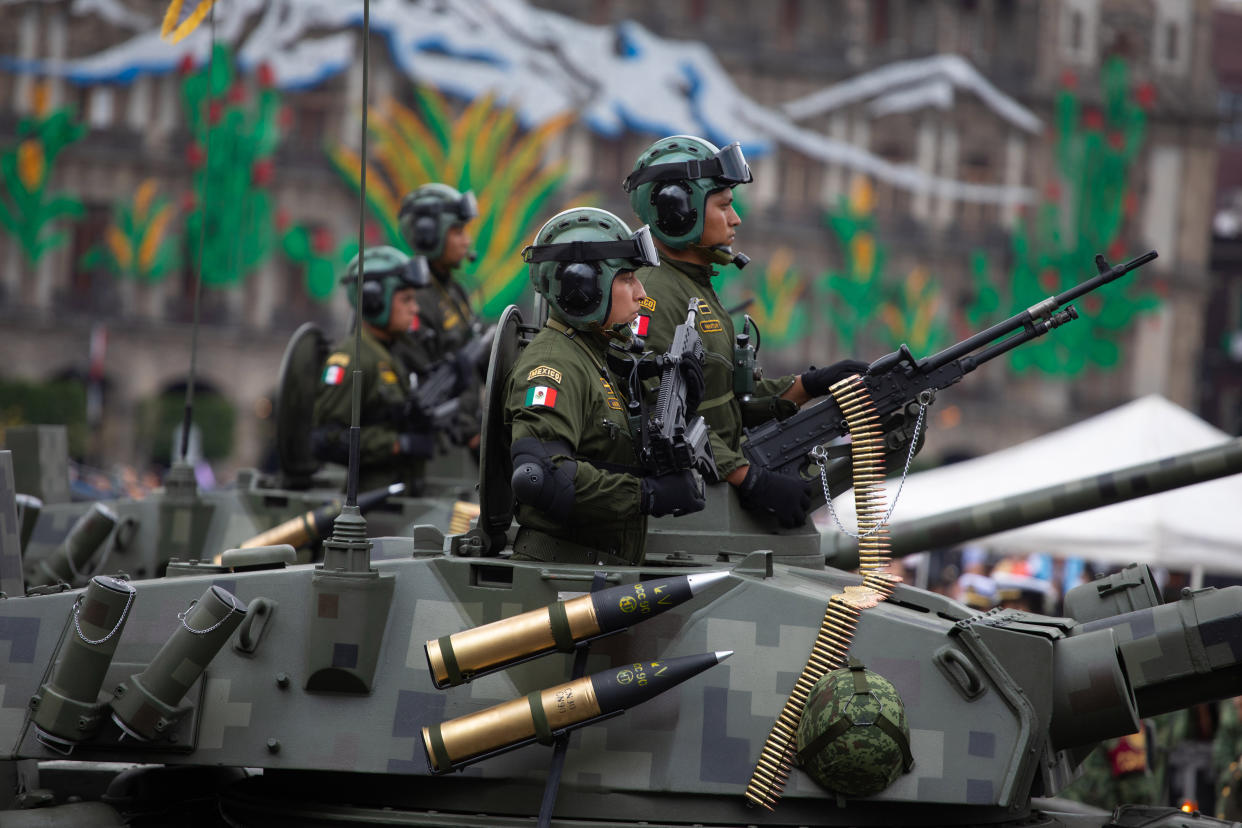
<point x="385" y="270"/>
<point x="427" y="214"/>
<point x="853" y="737"/>
<point x="575" y="258"/>
<point x="673" y="178"/>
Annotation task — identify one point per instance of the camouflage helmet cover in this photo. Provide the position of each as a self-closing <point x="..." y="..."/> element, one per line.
<point x="427" y="214"/>
<point x="853" y="737"/>
<point x="575" y="258"/>
<point x="385" y="270"/>
<point x="672" y="179"/>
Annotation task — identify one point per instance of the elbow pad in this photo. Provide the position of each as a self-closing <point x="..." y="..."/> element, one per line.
<point x="540" y="482"/>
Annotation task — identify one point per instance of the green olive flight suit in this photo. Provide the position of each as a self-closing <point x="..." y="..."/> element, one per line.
<point x="445" y="315"/>
<point x="385" y="384"/>
<point x="561" y="389"/>
<point x="670" y="285"/>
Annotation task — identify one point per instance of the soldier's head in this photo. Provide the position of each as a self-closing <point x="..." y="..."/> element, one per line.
<point x="683" y="187"/>
<point x="389" y="277"/>
<point x="583" y="262"/>
<point x="433" y="222"/>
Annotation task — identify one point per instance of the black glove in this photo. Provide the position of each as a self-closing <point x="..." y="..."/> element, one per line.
<point x="416" y="444"/>
<point x="786" y="497"/>
<point x="817" y="381"/>
<point x="675" y="493"/>
<point x="696" y="384"/>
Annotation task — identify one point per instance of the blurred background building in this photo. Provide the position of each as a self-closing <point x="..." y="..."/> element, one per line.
<point x="922" y="170"/>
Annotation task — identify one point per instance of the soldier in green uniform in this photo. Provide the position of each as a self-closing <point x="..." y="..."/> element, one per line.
<point x="580" y="496"/>
<point x="396" y="439"/>
<point x="682" y="187"/>
<point x="433" y="221"/>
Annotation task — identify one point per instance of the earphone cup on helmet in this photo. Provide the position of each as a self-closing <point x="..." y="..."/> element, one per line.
<point x="580" y="293"/>
<point x="674" y="205"/>
<point x="426" y="233"/>
<point x="372" y="299"/>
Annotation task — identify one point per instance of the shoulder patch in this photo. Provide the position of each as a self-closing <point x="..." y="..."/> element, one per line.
<point x="541" y="395"/>
<point x="388" y="377"/>
<point x="544" y="371"/>
<point x="710" y="325"/>
<point x="339" y="359"/>
<point x="333" y="375"/>
<point x="704" y="308"/>
<point x="647" y="303"/>
<point x="640" y="325"/>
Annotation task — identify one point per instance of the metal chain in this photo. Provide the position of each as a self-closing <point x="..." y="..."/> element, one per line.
<point x="821" y="460"/>
<point x="181" y="616"/>
<point x="77" y="605"/>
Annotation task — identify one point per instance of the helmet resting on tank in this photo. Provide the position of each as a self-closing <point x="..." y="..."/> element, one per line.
<point x="385" y="270"/>
<point x="853" y="737"/>
<point x="427" y="214"/>
<point x="575" y="258"/>
<point x="672" y="179"/>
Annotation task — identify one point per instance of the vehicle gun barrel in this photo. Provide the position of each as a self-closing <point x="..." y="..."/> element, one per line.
<point x="1182" y="653"/>
<point x="75" y="552"/>
<point x="458" y="658"/>
<point x="959" y="525"/>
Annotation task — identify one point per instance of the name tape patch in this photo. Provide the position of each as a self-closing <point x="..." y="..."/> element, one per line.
<point x="710" y="326"/>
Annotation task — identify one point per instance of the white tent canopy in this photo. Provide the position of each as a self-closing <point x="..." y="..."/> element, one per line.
<point x="1198" y="525"/>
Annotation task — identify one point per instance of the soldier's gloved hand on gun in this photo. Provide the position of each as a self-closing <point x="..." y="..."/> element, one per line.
<point x="786" y="497"/>
<point x="696" y="383"/>
<point x="817" y="381"/>
<point x="675" y="493"/>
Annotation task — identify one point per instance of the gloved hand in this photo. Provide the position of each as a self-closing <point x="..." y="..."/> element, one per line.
<point x="418" y="444"/>
<point x="817" y="381"/>
<point x="675" y="493"/>
<point x="786" y="497"/>
<point x="696" y="383"/>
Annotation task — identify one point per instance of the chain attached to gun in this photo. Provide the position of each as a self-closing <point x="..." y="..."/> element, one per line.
<point x="820" y="455"/>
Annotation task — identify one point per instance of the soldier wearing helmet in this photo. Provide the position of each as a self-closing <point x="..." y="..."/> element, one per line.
<point x="682" y="186"/>
<point x="580" y="496"/>
<point x="396" y="440"/>
<point x="433" y="221"/>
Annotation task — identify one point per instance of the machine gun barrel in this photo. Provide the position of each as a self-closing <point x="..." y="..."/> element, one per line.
<point x="1091" y="492"/>
<point x="896" y="379"/>
<point x="443" y="382"/>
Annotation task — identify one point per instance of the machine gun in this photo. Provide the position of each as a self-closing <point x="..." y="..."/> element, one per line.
<point x="671" y="441"/>
<point x="436" y="398"/>
<point x="898" y="379"/>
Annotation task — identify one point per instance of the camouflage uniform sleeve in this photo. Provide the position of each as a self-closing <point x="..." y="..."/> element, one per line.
<point x="333" y="412"/>
<point x="562" y="413"/>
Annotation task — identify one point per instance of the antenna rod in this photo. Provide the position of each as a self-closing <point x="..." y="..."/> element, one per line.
<point x="355" y="430"/>
<point x="188" y="417"/>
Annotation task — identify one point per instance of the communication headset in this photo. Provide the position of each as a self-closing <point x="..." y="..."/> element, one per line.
<point x="373" y="305"/>
<point x="580" y="293"/>
<point x="674" y="205"/>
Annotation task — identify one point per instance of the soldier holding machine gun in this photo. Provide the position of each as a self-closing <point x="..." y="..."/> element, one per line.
<point x="582" y="493"/>
<point x="683" y="187"/>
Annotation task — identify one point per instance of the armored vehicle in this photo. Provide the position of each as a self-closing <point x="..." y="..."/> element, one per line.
<point x="406" y="681"/>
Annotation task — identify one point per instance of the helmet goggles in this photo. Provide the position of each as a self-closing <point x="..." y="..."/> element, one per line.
<point x="413" y="273"/>
<point x="639" y="249"/>
<point x="464" y="208"/>
<point x="727" y="166"/>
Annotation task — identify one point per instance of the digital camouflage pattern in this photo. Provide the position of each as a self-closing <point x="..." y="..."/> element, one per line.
<point x="842" y="744"/>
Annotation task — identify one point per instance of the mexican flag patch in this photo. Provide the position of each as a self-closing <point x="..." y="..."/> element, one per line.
<point x="333" y="375"/>
<point x="639" y="325"/>
<point x="541" y="395"/>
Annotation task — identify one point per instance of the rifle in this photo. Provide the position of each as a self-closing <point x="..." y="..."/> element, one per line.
<point x="669" y="442"/>
<point x="898" y="382"/>
<point x="436" y="398"/>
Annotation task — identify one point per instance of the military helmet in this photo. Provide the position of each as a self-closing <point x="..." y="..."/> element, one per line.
<point x="427" y="213"/>
<point x="385" y="270"/>
<point x="575" y="258"/>
<point x="672" y="179"/>
<point x="853" y="737"/>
